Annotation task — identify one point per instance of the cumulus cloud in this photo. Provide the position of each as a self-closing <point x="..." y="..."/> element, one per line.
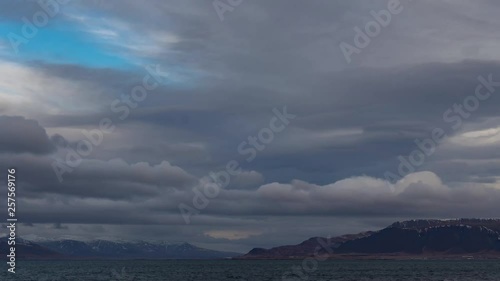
<point x="419" y="193"/>
<point x="114" y="179"/>
<point x="21" y="135"/>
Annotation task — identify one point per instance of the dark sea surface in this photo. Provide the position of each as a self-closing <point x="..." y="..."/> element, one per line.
<point x="239" y="270"/>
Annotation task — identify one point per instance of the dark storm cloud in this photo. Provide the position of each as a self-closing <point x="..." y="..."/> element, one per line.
<point x="20" y="135"/>
<point x="343" y="125"/>
<point x="114" y="179"/>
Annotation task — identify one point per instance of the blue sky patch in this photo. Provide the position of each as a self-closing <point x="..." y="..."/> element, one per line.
<point x="61" y="43"/>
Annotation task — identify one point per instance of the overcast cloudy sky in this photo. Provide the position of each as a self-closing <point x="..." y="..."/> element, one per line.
<point x="208" y="75"/>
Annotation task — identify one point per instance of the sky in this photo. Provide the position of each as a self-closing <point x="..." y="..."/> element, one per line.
<point x="241" y="124"/>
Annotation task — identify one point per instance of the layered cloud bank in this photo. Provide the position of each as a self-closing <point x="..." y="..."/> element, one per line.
<point x="116" y="194"/>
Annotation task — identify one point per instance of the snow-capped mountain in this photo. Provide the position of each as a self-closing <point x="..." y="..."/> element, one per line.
<point x="439" y="238"/>
<point x="132" y="250"/>
<point x="104" y="249"/>
<point x="27" y="249"/>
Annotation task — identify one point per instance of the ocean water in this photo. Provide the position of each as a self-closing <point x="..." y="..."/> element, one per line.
<point x="229" y="270"/>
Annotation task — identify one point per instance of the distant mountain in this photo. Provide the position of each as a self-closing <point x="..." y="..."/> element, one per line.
<point x="306" y="248"/>
<point x="459" y="237"/>
<point x="103" y="249"/>
<point x="132" y="250"/>
<point x="27" y="250"/>
<point x="463" y="236"/>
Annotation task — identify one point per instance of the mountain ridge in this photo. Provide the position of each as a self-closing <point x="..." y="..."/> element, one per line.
<point x="419" y="238"/>
<point x="106" y="249"/>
